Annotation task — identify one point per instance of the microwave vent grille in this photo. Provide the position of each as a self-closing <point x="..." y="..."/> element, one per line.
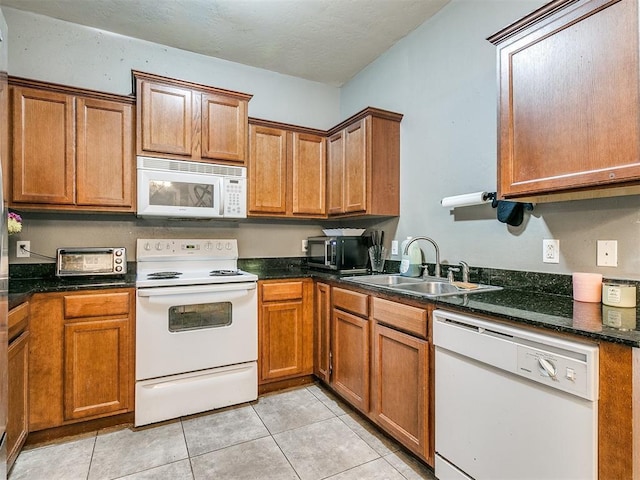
<point x="190" y="167"/>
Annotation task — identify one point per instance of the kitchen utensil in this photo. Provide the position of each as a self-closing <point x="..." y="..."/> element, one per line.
<point x="377" y="255"/>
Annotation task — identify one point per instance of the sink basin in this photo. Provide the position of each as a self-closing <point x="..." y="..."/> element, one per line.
<point x="383" y="280"/>
<point x="428" y="287"/>
<point x="431" y="288"/>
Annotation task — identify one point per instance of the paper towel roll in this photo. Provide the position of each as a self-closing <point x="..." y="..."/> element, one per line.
<point x="476" y="198"/>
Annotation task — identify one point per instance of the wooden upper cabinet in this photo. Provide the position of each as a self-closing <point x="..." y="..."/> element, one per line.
<point x="224" y="128"/>
<point x="165" y="119"/>
<point x="364" y="165"/>
<point x="569" y="103"/>
<point x="267" y="170"/>
<point x="104" y="153"/>
<point x="287" y="170"/>
<point x="355" y="167"/>
<point x="43" y="147"/>
<point x="183" y="120"/>
<point x="72" y="148"/>
<point x="308" y="168"/>
<point x="335" y="174"/>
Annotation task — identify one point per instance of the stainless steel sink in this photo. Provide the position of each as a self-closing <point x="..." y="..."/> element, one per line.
<point x="429" y="287"/>
<point x="383" y="280"/>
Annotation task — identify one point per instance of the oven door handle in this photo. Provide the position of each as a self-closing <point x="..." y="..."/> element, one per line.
<point x="191" y="289"/>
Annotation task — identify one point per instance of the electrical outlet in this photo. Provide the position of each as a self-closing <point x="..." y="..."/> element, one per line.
<point x="305" y="246"/>
<point x="22" y="249"/>
<point x="607" y="253"/>
<point x="394" y="247"/>
<point x="551" y="251"/>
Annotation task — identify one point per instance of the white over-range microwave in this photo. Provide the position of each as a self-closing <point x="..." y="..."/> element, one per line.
<point x="181" y="189"/>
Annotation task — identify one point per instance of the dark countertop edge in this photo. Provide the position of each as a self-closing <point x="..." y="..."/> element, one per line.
<point x="483" y="304"/>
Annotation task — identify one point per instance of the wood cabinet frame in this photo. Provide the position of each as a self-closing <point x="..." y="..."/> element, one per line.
<point x="84" y="162"/>
<point x="569" y="123"/>
<point x="190" y="121"/>
<point x="287" y="170"/>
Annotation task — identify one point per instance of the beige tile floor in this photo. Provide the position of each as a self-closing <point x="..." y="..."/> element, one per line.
<point x="304" y="434"/>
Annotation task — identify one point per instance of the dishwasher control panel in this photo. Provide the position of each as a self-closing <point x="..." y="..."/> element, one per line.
<point x="553" y="369"/>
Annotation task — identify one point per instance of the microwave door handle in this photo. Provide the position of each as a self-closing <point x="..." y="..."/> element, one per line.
<point x="327" y="252"/>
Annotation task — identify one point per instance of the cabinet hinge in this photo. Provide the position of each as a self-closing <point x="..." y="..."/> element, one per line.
<point x="330" y="363"/>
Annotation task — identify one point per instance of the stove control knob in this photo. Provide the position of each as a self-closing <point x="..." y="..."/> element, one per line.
<point x="208" y="246"/>
<point x="219" y="245"/>
<point x="147" y="246"/>
<point x="228" y="245"/>
<point x="159" y="246"/>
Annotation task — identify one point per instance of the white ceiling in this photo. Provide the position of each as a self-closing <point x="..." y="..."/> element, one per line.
<point x="328" y="41"/>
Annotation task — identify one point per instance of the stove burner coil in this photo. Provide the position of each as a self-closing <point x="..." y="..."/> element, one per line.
<point x="223" y="273"/>
<point x="163" y="275"/>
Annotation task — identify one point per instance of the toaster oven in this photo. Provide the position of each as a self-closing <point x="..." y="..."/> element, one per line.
<point x="91" y="261"/>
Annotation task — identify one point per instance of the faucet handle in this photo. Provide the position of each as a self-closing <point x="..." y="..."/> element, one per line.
<point x="450" y="272"/>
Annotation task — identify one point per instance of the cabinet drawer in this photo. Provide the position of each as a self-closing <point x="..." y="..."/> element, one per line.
<point x="349" y="301"/>
<point x="97" y="305"/>
<point x="281" y="291"/>
<point x="404" y="317"/>
<point x="18" y="320"/>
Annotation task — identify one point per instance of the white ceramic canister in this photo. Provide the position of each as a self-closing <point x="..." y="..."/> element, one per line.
<point x="619" y="295"/>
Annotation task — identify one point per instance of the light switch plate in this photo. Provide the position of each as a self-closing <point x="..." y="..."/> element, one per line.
<point x="607" y="253"/>
<point x="394" y="247"/>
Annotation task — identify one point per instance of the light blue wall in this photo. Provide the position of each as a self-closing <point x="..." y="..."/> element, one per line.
<point x="443" y="78"/>
<point x="48" y="49"/>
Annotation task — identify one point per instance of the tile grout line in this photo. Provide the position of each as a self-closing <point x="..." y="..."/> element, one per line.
<point x="186" y="444"/>
<point x="277" y="444"/>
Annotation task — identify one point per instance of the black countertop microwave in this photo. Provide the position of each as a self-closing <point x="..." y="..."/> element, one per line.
<point x="338" y="254"/>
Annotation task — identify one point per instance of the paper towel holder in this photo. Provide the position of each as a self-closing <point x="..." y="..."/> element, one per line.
<point x="468" y="199"/>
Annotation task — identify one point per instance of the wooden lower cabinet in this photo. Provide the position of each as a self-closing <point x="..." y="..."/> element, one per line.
<point x="18" y="415"/>
<point x="376" y="356"/>
<point x="400" y="387"/>
<point x="350" y="347"/>
<point x="81" y="356"/>
<point x="285" y="326"/>
<point x="97" y="362"/>
<point x="322" y="333"/>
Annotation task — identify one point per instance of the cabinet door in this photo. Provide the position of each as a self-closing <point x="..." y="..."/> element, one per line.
<point x="224" y="128"/>
<point x="97" y="364"/>
<point x="309" y="174"/>
<point x="104" y="153"/>
<point x="285" y="323"/>
<point x="18" y="417"/>
<point x="355" y="167"/>
<point x="569" y="115"/>
<point x="166" y="119"/>
<point x="400" y="389"/>
<point x="323" y="332"/>
<point x="267" y="170"/>
<point x="335" y="174"/>
<point x="43" y="147"/>
<point x="281" y="340"/>
<point x="351" y="358"/>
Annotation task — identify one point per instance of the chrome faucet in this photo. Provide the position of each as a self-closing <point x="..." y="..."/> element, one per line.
<point x="465" y="271"/>
<point x="435" y="245"/>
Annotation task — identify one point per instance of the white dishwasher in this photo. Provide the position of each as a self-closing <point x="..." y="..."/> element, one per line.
<point x="513" y="404"/>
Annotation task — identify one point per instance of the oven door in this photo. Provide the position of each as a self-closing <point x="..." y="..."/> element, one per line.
<point x="187" y="328"/>
<point x="179" y="194"/>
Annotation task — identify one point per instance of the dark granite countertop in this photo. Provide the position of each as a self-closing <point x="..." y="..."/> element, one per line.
<point x="21" y="289"/>
<point x="521" y="304"/>
<point x="555" y="312"/>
